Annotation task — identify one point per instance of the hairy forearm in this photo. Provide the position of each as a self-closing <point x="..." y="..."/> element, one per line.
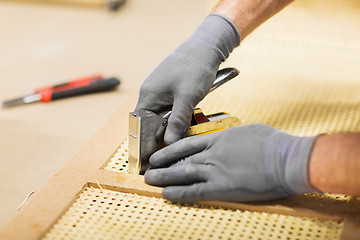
<point x="335" y="164"/>
<point x="247" y="15"/>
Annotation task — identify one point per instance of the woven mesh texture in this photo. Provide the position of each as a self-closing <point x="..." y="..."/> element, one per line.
<point x="107" y="214"/>
<point x="118" y="162"/>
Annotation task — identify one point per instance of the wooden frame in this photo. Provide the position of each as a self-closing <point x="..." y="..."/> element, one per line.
<point x="45" y="207"/>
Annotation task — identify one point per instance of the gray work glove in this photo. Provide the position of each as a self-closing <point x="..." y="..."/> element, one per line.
<point x="246" y="163"/>
<point x="184" y="78"/>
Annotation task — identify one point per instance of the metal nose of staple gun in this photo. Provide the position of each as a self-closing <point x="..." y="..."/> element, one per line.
<point x="144" y="127"/>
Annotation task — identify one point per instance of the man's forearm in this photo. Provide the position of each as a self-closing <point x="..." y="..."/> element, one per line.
<point x="335" y="164"/>
<point x="247" y="15"/>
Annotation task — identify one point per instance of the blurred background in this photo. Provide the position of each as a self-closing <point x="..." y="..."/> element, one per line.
<point x="299" y="72"/>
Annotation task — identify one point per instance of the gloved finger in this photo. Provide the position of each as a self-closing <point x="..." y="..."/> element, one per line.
<point x="197" y="158"/>
<point x="141" y="105"/>
<point x="210" y="192"/>
<point x="192" y="193"/>
<point x="180" y="174"/>
<point x="245" y="195"/>
<point x="145" y="103"/>
<point x="178" y="150"/>
<point x="179" y="121"/>
<point x="152" y="104"/>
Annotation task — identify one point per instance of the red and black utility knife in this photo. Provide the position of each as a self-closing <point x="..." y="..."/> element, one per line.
<point x="79" y="86"/>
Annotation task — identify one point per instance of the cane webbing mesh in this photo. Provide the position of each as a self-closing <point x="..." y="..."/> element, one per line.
<point x="118" y="162"/>
<point x="107" y="214"/>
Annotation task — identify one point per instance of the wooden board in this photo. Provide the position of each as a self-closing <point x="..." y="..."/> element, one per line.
<point x="262" y="77"/>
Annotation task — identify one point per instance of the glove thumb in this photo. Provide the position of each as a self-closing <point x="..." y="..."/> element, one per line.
<point x="179" y="121"/>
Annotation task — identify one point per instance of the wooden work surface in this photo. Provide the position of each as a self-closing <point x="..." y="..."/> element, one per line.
<point x="262" y="60"/>
<point x="45" y="44"/>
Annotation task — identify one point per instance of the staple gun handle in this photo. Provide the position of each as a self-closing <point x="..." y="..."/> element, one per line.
<point x="223" y="76"/>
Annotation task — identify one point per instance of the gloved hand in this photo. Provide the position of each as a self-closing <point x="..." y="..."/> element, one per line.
<point x="246" y="163"/>
<point x="184" y="78"/>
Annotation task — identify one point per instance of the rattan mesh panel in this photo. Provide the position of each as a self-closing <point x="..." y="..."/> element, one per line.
<point x="118" y="162"/>
<point x="107" y="214"/>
